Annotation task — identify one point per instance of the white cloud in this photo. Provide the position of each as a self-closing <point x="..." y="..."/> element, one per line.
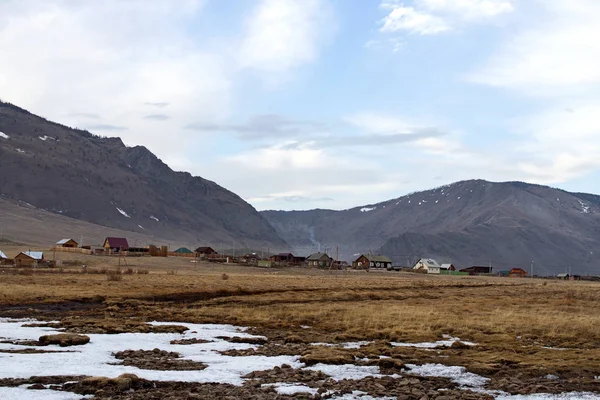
<point x="408" y="19"/>
<point x="556" y="55"/>
<point x="430" y="17"/>
<point x="283" y="34"/>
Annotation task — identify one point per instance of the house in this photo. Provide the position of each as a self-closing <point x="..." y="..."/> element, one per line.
<point x="66" y="243"/>
<point x="504" y="273"/>
<point x="371" y="261"/>
<point x="319" y="260"/>
<point x="477" y="270"/>
<point x="517" y="273"/>
<point x="3" y="259"/>
<point x="429" y="265"/>
<point x="115" y="245"/>
<point x="205" y="251"/>
<point x="282" y="257"/>
<point x="563" y="275"/>
<point x="447" y="267"/>
<point x="29" y="258"/>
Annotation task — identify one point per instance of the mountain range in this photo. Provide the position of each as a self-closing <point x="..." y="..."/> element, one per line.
<point x="56" y="181"/>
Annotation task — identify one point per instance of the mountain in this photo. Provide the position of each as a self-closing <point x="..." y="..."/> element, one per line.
<point x="510" y="224"/>
<point x="100" y="180"/>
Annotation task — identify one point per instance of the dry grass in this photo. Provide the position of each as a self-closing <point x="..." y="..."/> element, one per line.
<point x="510" y="319"/>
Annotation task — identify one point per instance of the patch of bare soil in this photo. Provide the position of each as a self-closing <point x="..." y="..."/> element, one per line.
<point x="286" y="374"/>
<point x="519" y="384"/>
<point x="237" y="339"/>
<point x="157" y="359"/>
<point x="185" y="342"/>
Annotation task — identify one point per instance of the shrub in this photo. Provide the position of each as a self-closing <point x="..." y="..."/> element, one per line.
<point x="224" y="277"/>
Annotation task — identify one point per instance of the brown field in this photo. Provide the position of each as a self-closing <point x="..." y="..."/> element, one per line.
<point x="517" y="323"/>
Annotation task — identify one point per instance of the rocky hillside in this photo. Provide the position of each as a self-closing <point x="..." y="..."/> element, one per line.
<point x="100" y="180"/>
<point x="473" y="222"/>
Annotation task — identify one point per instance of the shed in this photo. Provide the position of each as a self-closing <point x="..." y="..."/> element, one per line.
<point x="429" y="265"/>
<point x="318" y="260"/>
<point x="66" y="243"/>
<point x="563" y="275"/>
<point x="3" y="259"/>
<point x="517" y="273"/>
<point x="29" y="258"/>
<point x="371" y="261"/>
<point x="183" y="250"/>
<point x="503" y="273"/>
<point x="477" y="270"/>
<point x="447" y="267"/>
<point x="115" y="244"/>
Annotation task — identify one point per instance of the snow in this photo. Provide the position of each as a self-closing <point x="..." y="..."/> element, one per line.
<point x="458" y="375"/>
<point x="141" y="227"/>
<point x="291" y="388"/>
<point x="154" y="218"/>
<point x="432" y="345"/>
<point x="123" y="212"/>
<point x="95" y="358"/>
<point x="357" y="394"/>
<point x="348" y="345"/>
<point x="585" y="209"/>
<point x="20" y="151"/>
<point x="367" y="209"/>
<point x="346" y="371"/>
<point x="22" y="392"/>
<point x="4" y="135"/>
<point x="544" y="396"/>
<point x="45" y="137"/>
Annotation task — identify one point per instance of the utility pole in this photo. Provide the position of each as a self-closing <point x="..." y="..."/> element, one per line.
<point x="532" y="269"/>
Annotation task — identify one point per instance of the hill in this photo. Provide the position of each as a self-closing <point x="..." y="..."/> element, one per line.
<point x="100" y="180"/>
<point x="510" y="224"/>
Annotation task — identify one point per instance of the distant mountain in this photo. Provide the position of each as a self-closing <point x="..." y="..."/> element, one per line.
<point x="100" y="180"/>
<point x="510" y="224"/>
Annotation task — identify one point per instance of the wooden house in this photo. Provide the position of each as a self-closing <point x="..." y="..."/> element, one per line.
<point x="517" y="273"/>
<point x="318" y="260"/>
<point x="29" y="258"/>
<point x="115" y="245"/>
<point x="287" y="258"/>
<point x="205" y="252"/>
<point x="563" y="275"/>
<point x="70" y="243"/>
<point x="371" y="261"/>
<point x="427" y="264"/>
<point x="4" y="260"/>
<point x="477" y="270"/>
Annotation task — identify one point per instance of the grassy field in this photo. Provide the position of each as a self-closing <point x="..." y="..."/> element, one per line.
<point x="526" y="326"/>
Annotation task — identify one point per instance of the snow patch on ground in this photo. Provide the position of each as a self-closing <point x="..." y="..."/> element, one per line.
<point x="141" y="227"/>
<point x="348" y="345"/>
<point x="20" y="151"/>
<point x="346" y="371"/>
<point x="45" y="137"/>
<point x="432" y="345"/>
<point x="4" y="135"/>
<point x="154" y="218"/>
<point x="585" y="209"/>
<point x="123" y="212"/>
<point x="367" y="209"/>
<point x="95" y="358"/>
<point x="291" y="388"/>
<point x="458" y="375"/>
<point x="22" y="392"/>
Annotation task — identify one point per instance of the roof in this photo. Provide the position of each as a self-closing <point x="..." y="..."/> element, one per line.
<point x="63" y="241"/>
<point x="445" y="266"/>
<point x="2" y="255"/>
<point x="429" y="263"/>
<point x="183" y="250"/>
<point x="36" y="255"/>
<point x="205" y="249"/>
<point x="373" y="258"/>
<point x="317" y="257"/>
<point x="285" y="255"/>
<point x="561" y="275"/>
<point x="518" y="270"/>
<point x="505" y="272"/>
<point x="117" y="243"/>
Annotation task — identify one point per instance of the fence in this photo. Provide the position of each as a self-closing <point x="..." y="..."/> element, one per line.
<point x="71" y="250"/>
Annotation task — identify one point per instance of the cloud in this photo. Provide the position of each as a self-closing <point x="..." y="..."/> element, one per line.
<point x="157" y="117"/>
<point x="104" y="127"/>
<point x="264" y="126"/>
<point x="283" y="34"/>
<point x="431" y="17"/>
<point x="552" y="56"/>
<point x="159" y="104"/>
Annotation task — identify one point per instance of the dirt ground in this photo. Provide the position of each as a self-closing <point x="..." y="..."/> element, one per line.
<point x="532" y="335"/>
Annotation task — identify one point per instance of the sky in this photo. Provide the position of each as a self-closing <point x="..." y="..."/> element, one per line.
<point x="301" y="104"/>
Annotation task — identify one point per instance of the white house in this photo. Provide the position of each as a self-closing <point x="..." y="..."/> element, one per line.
<point x="429" y="265"/>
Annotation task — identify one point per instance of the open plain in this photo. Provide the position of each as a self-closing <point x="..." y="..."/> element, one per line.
<point x="529" y="337"/>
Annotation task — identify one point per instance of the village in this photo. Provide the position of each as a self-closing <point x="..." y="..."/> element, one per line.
<point x="119" y="247"/>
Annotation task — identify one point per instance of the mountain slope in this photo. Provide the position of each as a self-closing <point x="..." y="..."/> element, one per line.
<point x="471" y="222"/>
<point x="100" y="180"/>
